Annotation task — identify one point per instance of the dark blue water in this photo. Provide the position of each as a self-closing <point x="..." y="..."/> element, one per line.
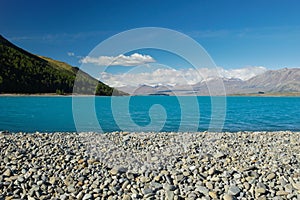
<point x="149" y="113"/>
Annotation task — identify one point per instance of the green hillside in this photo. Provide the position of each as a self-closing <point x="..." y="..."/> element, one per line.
<point x="24" y="73"/>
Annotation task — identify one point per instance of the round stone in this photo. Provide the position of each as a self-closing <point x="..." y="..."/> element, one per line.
<point x="271" y="176"/>
<point x="213" y="195"/>
<point x="228" y="197"/>
<point x="7" y="172"/>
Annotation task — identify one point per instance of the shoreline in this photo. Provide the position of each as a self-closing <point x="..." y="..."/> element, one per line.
<point x="43" y="94"/>
<point x="128" y="165"/>
<point x="287" y="131"/>
<point x="228" y="95"/>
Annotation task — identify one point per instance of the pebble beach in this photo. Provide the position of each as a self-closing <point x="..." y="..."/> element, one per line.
<point x="123" y="165"/>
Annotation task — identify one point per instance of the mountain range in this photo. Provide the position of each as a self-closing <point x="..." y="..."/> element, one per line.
<point x="22" y="72"/>
<point x="26" y="73"/>
<point x="280" y="81"/>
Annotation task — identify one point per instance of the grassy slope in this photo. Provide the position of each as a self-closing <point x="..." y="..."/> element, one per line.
<point x="23" y="72"/>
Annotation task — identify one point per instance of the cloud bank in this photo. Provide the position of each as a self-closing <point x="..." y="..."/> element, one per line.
<point x="242" y="73"/>
<point x="174" y="77"/>
<point x="120" y="60"/>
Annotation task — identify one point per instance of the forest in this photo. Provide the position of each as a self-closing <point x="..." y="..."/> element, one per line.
<point x="24" y="73"/>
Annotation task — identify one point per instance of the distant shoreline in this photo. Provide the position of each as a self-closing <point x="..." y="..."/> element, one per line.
<point x="230" y="95"/>
<point x="45" y="95"/>
<point x="296" y="94"/>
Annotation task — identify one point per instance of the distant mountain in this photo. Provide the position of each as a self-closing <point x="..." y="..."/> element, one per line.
<point x="283" y="80"/>
<point x="146" y="89"/>
<point x="23" y="72"/>
<point x="272" y="81"/>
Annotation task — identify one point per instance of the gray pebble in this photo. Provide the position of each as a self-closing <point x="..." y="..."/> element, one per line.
<point x="202" y="190"/>
<point x="234" y="190"/>
<point x="87" y="196"/>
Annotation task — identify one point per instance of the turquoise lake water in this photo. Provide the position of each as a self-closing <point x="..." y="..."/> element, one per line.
<point x="149" y="113"/>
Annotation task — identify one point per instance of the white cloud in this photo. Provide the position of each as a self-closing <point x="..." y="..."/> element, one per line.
<point x="121" y="60"/>
<point x="174" y="77"/>
<point x="242" y="73"/>
<point x="71" y="54"/>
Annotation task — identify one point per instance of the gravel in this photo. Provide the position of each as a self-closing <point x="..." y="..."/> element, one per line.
<point x="122" y="165"/>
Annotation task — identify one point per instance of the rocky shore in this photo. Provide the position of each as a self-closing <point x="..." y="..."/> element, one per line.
<point x="121" y="165"/>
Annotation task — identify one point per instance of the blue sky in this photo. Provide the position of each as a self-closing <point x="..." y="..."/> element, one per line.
<point x="235" y="33"/>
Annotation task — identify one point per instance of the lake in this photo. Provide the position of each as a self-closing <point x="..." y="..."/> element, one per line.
<point x="148" y="113"/>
